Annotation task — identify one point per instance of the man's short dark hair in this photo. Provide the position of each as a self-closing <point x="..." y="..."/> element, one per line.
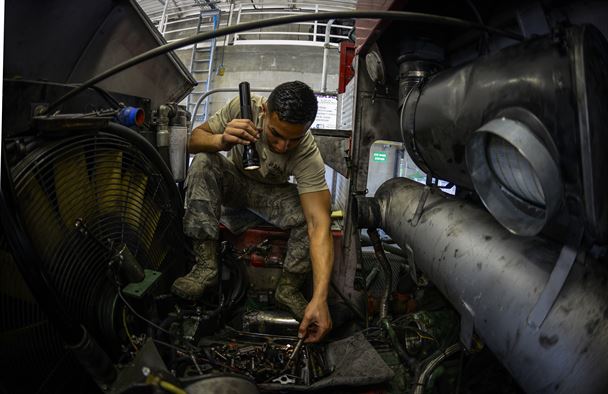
<point x="294" y="102"/>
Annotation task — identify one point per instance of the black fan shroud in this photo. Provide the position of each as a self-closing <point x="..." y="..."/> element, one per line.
<point x="121" y="196"/>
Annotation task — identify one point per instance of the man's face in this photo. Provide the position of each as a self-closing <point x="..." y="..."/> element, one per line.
<point x="282" y="136"/>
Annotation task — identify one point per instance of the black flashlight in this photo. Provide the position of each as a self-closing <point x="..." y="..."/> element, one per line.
<point x="251" y="160"/>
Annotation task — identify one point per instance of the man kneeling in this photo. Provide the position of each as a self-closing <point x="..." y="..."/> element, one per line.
<point x="280" y="132"/>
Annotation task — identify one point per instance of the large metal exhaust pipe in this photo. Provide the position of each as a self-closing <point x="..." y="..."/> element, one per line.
<point x="494" y="279"/>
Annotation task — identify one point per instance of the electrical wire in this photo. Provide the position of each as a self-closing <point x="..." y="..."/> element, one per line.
<point x="138" y="315"/>
<point x="241" y="27"/>
<point x="174" y="347"/>
<point x="429" y="367"/>
<point x="124" y="323"/>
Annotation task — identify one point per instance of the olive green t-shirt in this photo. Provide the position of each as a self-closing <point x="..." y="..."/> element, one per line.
<point x="304" y="162"/>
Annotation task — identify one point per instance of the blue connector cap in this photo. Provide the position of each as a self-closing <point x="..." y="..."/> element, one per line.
<point x="130" y="116"/>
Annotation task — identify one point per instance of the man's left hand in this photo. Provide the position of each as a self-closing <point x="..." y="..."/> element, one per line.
<point x="316" y="322"/>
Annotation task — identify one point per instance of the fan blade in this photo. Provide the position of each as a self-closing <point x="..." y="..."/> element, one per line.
<point x="137" y="189"/>
<point x="75" y="197"/>
<point x="150" y="223"/>
<point x="108" y="182"/>
<point x="158" y="253"/>
<point x="40" y="219"/>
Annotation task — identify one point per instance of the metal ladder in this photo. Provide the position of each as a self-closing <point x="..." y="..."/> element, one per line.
<point x="201" y="63"/>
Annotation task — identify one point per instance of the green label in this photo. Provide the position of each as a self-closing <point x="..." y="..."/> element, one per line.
<point x="379" y="156"/>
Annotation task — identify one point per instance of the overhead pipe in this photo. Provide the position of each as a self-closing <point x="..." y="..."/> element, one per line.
<point x="240" y="27"/>
<point x="220" y="90"/>
<point x="225" y="90"/>
<point x="494" y="279"/>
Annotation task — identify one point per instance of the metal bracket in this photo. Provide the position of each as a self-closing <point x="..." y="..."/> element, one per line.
<point x="565" y="261"/>
<point x="284" y="379"/>
<point x="409" y="253"/>
<point x="467" y="326"/>
<point x="139" y="290"/>
<point x="420" y="207"/>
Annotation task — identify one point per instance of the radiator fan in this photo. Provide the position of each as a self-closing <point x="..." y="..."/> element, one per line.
<point x="120" y="194"/>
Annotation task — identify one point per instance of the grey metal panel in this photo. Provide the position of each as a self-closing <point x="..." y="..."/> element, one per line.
<point x="494" y="279"/>
<point x="72" y="40"/>
<point x="125" y="33"/>
<point x="374" y="117"/>
<point x="44" y="39"/>
<point x="333" y="151"/>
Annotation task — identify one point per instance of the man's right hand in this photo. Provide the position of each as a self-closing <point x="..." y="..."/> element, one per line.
<point x="239" y="131"/>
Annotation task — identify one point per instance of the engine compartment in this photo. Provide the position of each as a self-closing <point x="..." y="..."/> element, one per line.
<point x="500" y="287"/>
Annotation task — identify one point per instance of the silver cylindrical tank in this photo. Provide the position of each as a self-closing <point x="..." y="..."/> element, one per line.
<point x="178" y="142"/>
<point x="495" y="278"/>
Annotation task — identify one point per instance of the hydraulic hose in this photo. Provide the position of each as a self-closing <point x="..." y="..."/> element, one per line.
<point x="240" y="284"/>
<point x="437" y="359"/>
<point x="383" y="318"/>
<point x="391" y="248"/>
<point x="394" y="15"/>
<point x="386" y="269"/>
<point x="392" y="336"/>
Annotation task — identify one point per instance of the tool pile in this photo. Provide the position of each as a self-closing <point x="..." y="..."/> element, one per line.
<point x="274" y="363"/>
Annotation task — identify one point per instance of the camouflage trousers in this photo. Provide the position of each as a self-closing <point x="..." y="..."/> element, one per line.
<point x="213" y="181"/>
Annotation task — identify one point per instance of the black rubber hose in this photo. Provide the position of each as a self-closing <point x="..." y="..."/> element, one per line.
<point x="240" y="289"/>
<point x="236" y="284"/>
<point x="391" y="248"/>
<point x="221" y="304"/>
<point x="87" y="351"/>
<point x="241" y="27"/>
<point x="392" y="336"/>
<point x="386" y="268"/>
<point x="239" y="282"/>
<point x="152" y="154"/>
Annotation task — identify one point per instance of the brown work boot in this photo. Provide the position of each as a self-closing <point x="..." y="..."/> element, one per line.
<point x="203" y="274"/>
<point x="288" y="294"/>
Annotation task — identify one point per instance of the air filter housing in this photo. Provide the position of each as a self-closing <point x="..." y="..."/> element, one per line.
<point x="560" y="83"/>
<point x="515" y="175"/>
